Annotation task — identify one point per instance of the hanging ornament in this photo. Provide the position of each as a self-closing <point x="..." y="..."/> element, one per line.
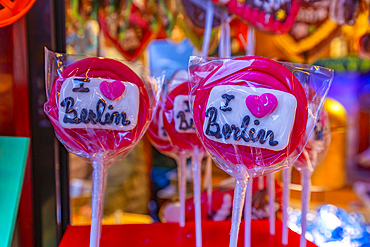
<point x="191" y="19"/>
<point x="310" y="34"/>
<point x="238" y="36"/>
<point x="129" y="25"/>
<point x="344" y="12"/>
<point x="167" y="11"/>
<point x="364" y="43"/>
<point x="364" y="48"/>
<point x="275" y="17"/>
<point x="82" y="28"/>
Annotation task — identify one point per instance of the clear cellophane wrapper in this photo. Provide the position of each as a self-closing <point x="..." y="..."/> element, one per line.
<point x="315" y="81"/>
<point x="256" y="76"/>
<point x="317" y="145"/>
<point x="99" y="108"/>
<point x="94" y="142"/>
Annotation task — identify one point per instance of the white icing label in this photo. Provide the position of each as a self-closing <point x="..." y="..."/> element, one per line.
<point x="85" y="103"/>
<point x="228" y="119"/>
<point x="184" y="122"/>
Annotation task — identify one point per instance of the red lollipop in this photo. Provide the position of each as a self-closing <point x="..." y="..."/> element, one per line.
<point x="89" y="136"/>
<point x="99" y="109"/>
<point x="179" y="125"/>
<point x="317" y="145"/>
<point x="178" y="120"/>
<point x="250" y="114"/>
<point x="272" y="91"/>
<point x="157" y="134"/>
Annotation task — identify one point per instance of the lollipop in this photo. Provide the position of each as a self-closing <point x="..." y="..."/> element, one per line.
<point x="99" y="109"/>
<point x="100" y="99"/>
<point x="238" y="109"/>
<point x="250" y="76"/>
<point x="250" y="114"/>
<point x="159" y="139"/>
<point x="179" y="125"/>
<point x="157" y="134"/>
<point x="317" y="145"/>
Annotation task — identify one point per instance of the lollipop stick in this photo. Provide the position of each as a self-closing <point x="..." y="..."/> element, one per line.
<point x="208" y="28"/>
<point x="197" y="160"/>
<point x="271" y="191"/>
<point x="208" y="183"/>
<point x="221" y="43"/>
<point x="250" y="48"/>
<point x="248" y="214"/>
<point x="181" y="177"/>
<point x="251" y="41"/>
<point x="305" y="198"/>
<point x="238" y="204"/>
<point x="98" y="179"/>
<point x="287" y="175"/>
<point x="227" y="35"/>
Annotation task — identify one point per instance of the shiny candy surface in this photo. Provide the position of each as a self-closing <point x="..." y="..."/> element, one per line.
<point x="92" y="142"/>
<point x="252" y="72"/>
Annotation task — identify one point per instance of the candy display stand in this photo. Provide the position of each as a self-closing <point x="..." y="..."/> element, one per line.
<point x="170" y="234"/>
<point x="13" y="156"/>
<point x="12" y="11"/>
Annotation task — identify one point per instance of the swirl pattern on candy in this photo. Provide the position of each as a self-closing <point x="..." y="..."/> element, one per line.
<point x="94" y="107"/>
<point x="253" y="114"/>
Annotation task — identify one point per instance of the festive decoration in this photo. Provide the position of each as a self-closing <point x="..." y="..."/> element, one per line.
<point x="128" y="26"/>
<point x="273" y="17"/>
<point x="310" y="34"/>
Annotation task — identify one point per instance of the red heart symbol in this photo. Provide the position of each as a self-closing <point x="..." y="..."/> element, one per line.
<point x="263" y="105"/>
<point x="112" y="89"/>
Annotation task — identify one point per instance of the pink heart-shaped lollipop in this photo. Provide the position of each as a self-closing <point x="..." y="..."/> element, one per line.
<point x="263" y="105"/>
<point x="112" y="90"/>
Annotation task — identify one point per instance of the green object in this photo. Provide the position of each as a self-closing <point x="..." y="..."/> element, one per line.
<point x="13" y="157"/>
<point x="349" y="63"/>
